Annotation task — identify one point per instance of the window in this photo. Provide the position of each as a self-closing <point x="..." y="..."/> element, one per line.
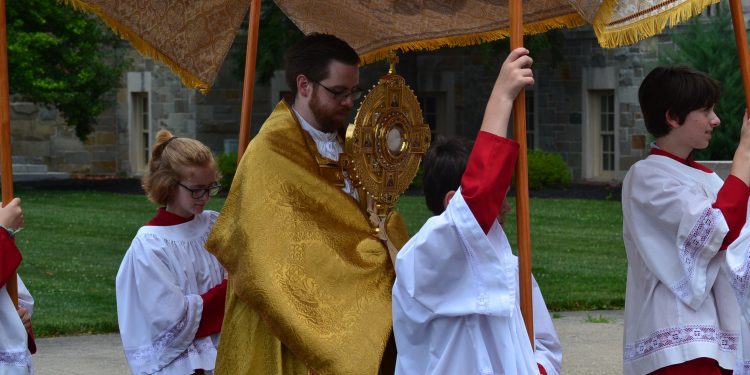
<point x="140" y="130"/>
<point x="602" y="134"/>
<point x="607" y="131"/>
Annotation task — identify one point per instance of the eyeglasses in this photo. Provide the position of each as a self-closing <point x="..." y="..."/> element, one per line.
<point x="355" y="93"/>
<point x="200" y="192"/>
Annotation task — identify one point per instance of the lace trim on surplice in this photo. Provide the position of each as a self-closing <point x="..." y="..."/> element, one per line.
<point x="741" y="367"/>
<point x="690" y="249"/>
<point x="740" y="277"/>
<point x="16" y="359"/>
<point x="676" y="336"/>
<point x="149" y="352"/>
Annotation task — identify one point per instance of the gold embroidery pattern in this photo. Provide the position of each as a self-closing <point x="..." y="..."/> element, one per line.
<point x="192" y="37"/>
<point x="305" y="262"/>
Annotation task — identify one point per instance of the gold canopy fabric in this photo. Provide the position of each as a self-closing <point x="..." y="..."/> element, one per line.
<point x="626" y="22"/>
<point x="307" y="269"/>
<point x="374" y="27"/>
<point x="192" y="37"/>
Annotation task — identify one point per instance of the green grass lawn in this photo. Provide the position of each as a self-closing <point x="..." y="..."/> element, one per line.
<point x="73" y="243"/>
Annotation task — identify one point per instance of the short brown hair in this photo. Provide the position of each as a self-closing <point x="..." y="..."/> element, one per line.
<point x="677" y="90"/>
<point x="444" y="164"/>
<point x="312" y="55"/>
<point x="170" y="162"/>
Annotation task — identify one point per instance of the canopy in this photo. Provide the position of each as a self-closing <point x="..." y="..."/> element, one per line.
<point x="375" y="27"/>
<point x="193" y="37"/>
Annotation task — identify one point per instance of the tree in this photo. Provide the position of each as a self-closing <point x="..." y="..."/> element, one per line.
<point x="708" y="46"/>
<point x="62" y="57"/>
<point x="277" y="33"/>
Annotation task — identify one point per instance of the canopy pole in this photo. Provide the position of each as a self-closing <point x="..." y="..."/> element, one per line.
<point x="249" y="81"/>
<point x="740" y="37"/>
<point x="522" y="180"/>
<point x="6" y="164"/>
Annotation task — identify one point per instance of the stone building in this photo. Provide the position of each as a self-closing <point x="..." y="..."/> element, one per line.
<point x="584" y="107"/>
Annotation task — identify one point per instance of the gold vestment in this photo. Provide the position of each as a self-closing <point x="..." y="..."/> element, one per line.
<point x="310" y="282"/>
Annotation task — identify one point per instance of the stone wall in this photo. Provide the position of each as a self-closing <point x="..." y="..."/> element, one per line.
<point x="40" y="134"/>
<point x="563" y="93"/>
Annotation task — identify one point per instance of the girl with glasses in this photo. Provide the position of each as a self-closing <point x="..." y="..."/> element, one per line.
<point x="170" y="290"/>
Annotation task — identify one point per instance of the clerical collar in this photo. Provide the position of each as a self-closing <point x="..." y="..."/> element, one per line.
<point x="655" y="150"/>
<point x="317" y="135"/>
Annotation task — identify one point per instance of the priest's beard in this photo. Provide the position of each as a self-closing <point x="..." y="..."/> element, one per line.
<point x="329" y="119"/>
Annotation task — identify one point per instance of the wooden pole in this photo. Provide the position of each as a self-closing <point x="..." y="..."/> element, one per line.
<point x="740" y="37"/>
<point x="522" y="180"/>
<point x="249" y="82"/>
<point x="6" y="163"/>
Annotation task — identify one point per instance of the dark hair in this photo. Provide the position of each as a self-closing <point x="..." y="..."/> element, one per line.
<point x="171" y="160"/>
<point x="312" y="55"/>
<point x="444" y="164"/>
<point x="677" y="91"/>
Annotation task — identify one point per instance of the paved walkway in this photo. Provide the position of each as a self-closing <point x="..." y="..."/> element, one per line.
<point x="592" y="344"/>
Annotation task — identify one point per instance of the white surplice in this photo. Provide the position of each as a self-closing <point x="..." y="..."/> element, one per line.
<point x="25" y="299"/>
<point x="738" y="266"/>
<point x="15" y="358"/>
<point x="159" y="305"/>
<point x="679" y="304"/>
<point x="456" y="307"/>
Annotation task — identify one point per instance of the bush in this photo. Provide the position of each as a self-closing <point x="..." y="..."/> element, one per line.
<point x="416" y="183"/>
<point x="547" y="169"/>
<point x="227" y="167"/>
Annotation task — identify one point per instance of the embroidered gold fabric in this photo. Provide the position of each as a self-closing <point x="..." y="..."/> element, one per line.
<point x="311" y="281"/>
<point x="374" y="27"/>
<point x="192" y="37"/>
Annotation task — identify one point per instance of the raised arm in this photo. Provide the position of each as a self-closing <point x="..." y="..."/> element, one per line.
<point x="490" y="167"/>
<point x="741" y="161"/>
<point x="732" y="199"/>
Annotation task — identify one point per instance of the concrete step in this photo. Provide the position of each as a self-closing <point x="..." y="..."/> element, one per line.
<point x="34" y="169"/>
<point x="23" y="159"/>
<point x="39" y="176"/>
<point x="30" y="168"/>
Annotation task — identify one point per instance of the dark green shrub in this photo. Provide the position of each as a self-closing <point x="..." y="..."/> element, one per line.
<point x="547" y="169"/>
<point x="416" y="183"/>
<point x="227" y="167"/>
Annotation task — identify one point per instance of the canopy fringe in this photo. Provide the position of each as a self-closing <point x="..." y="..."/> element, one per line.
<point x="188" y="79"/>
<point x="611" y="36"/>
<point x="570" y="20"/>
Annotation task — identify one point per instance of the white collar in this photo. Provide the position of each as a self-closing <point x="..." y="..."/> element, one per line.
<point x="317" y="135"/>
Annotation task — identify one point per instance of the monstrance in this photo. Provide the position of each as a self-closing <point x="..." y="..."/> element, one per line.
<point x="385" y="145"/>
